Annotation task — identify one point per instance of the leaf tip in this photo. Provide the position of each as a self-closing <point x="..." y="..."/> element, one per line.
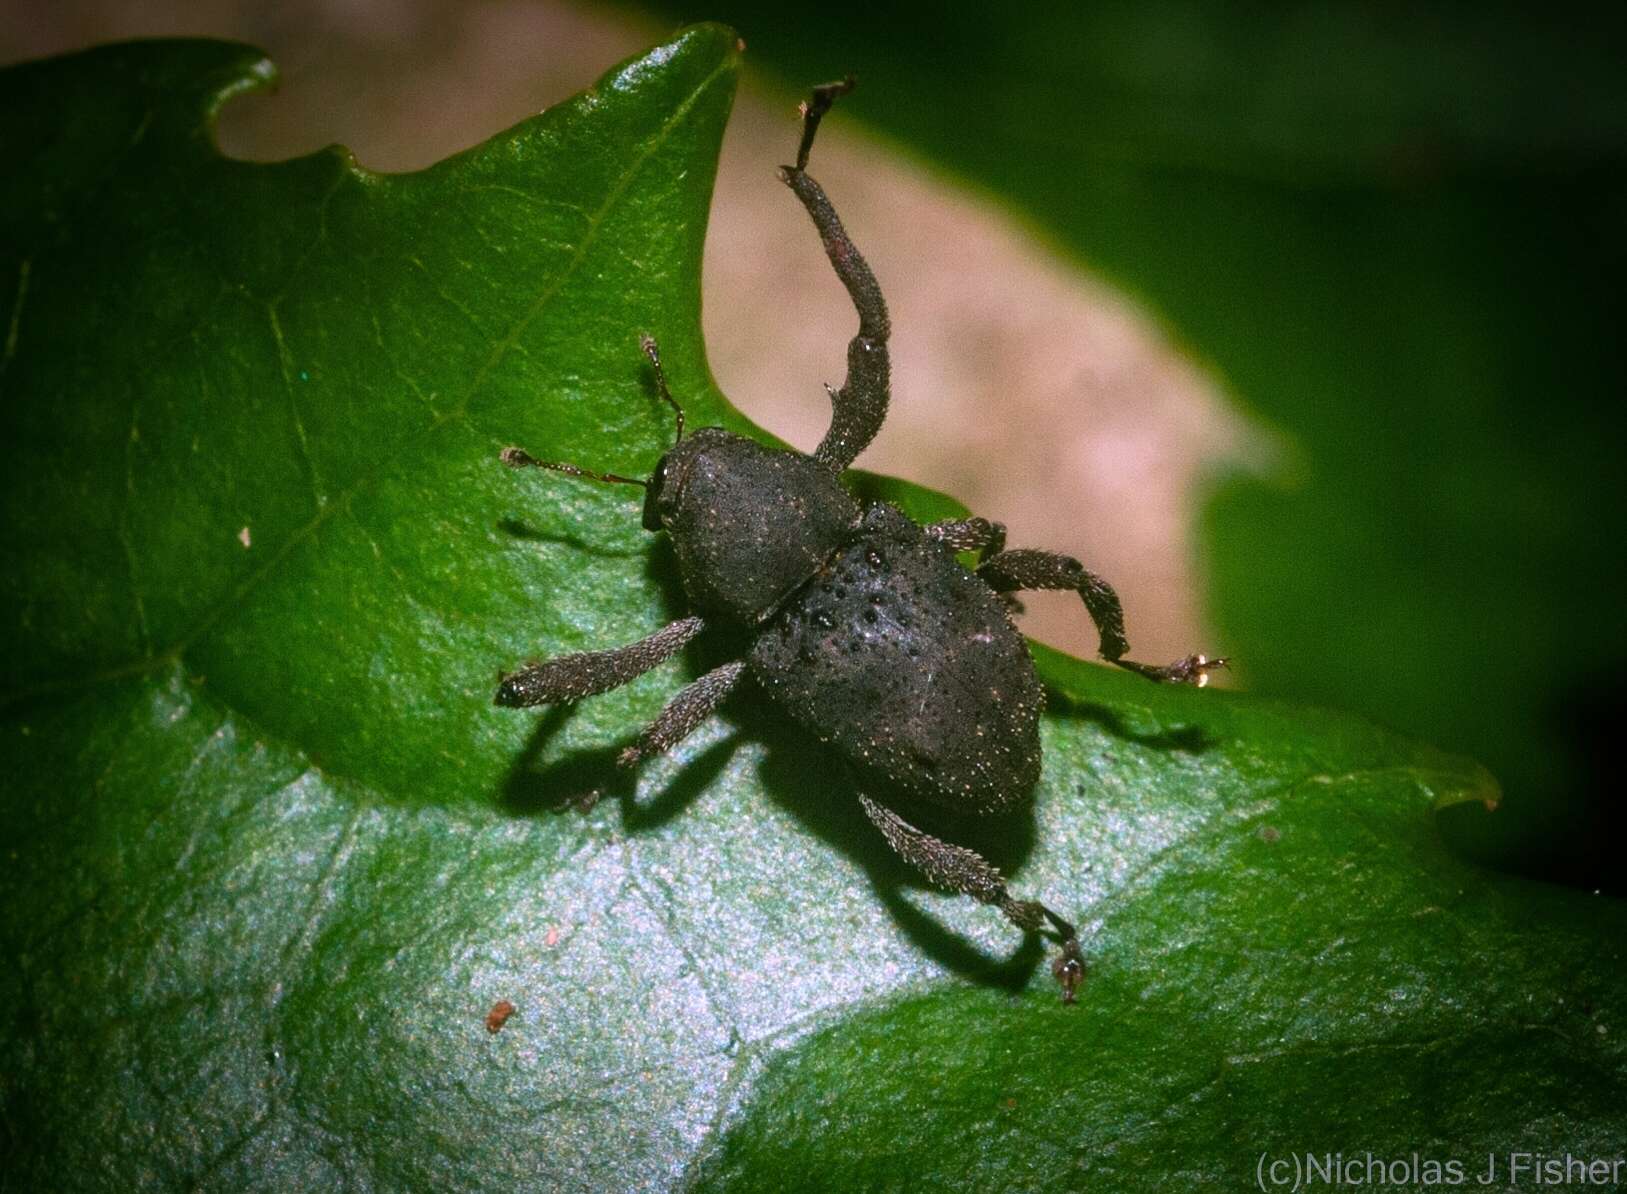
<point x="1467" y="783"/>
<point x="710" y="47"/>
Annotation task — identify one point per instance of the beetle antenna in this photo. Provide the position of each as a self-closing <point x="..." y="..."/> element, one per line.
<point x="516" y="458"/>
<point x="647" y="343"/>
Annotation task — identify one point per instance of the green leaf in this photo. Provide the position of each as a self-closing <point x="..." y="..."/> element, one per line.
<point x="271" y="855"/>
<point x="1398" y="244"/>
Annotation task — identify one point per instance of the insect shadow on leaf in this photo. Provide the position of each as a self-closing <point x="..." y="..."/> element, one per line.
<point x="520" y="530"/>
<point x="796" y="775"/>
<point x="1187" y="739"/>
<point x="580" y="779"/>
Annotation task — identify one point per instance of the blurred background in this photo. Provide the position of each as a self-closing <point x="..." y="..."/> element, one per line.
<point x="1300" y="323"/>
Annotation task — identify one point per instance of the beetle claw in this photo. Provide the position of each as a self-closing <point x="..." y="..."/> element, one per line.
<point x="579" y="802"/>
<point x="1195" y="669"/>
<point x="1069" y="969"/>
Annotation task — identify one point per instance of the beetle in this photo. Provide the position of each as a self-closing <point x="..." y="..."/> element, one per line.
<point x="867" y="628"/>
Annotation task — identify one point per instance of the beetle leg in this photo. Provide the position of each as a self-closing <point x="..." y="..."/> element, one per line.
<point x="1025" y="568"/>
<point x="693" y="705"/>
<point x="571" y="677"/>
<point x="969" y="534"/>
<point x="986" y="538"/>
<point x="858" y="408"/>
<point x="958" y="869"/>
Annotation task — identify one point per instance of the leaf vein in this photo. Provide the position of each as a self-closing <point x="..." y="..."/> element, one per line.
<point x="303" y="942"/>
<point x="459" y="409"/>
<point x="23" y="268"/>
<point x="722" y="1012"/>
<point x="285" y="361"/>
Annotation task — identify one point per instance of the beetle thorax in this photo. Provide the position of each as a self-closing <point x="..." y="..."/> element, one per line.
<point x="748" y="523"/>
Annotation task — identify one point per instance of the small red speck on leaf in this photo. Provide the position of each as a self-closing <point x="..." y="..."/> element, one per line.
<point x="498" y="1016"/>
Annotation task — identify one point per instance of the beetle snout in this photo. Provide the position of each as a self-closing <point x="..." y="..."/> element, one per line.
<point x="652" y="496"/>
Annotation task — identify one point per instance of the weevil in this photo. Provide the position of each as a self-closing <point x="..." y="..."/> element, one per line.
<point x="867" y="629"/>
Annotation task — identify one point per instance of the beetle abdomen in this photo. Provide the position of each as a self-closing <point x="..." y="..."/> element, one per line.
<point x="910" y="666"/>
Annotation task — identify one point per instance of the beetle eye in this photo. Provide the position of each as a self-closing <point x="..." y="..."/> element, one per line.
<point x="652" y="497"/>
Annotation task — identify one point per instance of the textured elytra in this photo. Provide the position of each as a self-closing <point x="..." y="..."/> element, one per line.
<point x="909" y="665"/>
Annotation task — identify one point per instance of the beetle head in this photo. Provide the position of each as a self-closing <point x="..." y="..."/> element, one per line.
<point x="686" y="474"/>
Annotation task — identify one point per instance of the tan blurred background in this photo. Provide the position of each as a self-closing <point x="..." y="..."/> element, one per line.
<point x="1025" y="389"/>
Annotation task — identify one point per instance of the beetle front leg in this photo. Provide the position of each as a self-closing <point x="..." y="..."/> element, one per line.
<point x="858" y="408"/>
<point x="955" y="868"/>
<point x="1025" y="568"/>
<point x="587" y="673"/>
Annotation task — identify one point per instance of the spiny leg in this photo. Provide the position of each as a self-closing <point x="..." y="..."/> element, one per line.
<point x="683" y="713"/>
<point x="975" y="534"/>
<point x="969" y="534"/>
<point x="958" y="869"/>
<point x="571" y="677"/>
<point x="858" y="408"/>
<point x="1025" y="568"/>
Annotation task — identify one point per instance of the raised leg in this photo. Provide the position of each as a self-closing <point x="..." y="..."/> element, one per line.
<point x="1025" y="568"/>
<point x="956" y="868"/>
<point x="683" y="713"/>
<point x="858" y="408"/>
<point x="571" y="677"/>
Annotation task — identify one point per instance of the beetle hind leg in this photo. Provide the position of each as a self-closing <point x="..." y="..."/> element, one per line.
<point x="955" y="868"/>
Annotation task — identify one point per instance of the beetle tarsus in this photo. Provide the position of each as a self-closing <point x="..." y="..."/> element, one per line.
<point x="1069" y="969"/>
<point x="1193" y="670"/>
<point x="813" y="111"/>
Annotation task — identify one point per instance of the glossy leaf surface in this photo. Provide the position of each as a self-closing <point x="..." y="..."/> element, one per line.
<point x="272" y="856"/>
